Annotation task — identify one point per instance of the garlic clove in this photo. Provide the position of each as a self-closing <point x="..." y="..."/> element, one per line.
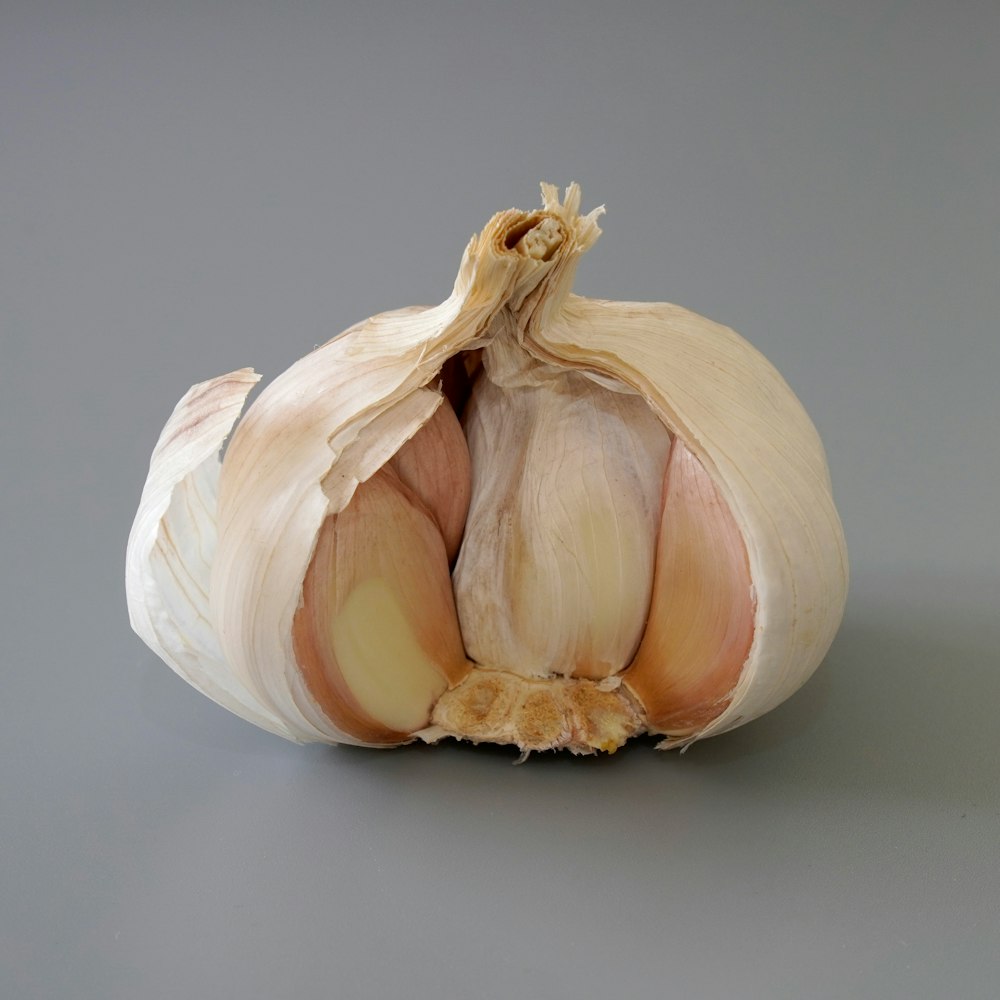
<point x="702" y="613"/>
<point x="435" y="465"/>
<point x="376" y="635"/>
<point x="737" y="415"/>
<point x="556" y="570"/>
<point x="552" y="713"/>
<point x="172" y="545"/>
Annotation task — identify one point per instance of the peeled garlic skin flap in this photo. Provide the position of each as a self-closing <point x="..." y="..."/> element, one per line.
<point x="372" y="398"/>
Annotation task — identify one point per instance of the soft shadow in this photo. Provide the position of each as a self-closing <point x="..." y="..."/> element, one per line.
<point x="492" y="753"/>
<point x="905" y="704"/>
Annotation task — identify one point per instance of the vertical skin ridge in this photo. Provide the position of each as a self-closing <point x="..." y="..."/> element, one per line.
<point x="701" y="620"/>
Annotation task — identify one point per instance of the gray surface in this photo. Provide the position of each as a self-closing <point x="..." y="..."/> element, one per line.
<point x="185" y="191"/>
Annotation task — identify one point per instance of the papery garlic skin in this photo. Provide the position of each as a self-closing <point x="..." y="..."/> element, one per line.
<point x="370" y="404"/>
<point x="172" y="545"/>
<point x="556" y="568"/>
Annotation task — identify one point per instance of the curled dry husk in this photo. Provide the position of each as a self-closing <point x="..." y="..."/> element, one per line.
<point x="219" y="553"/>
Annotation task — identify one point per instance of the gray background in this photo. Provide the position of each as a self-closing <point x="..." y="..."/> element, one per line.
<point x="187" y="189"/>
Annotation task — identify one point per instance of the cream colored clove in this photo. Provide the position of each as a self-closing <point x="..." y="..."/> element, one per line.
<point x="521" y="516"/>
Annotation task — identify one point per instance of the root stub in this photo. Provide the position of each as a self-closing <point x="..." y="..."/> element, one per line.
<point x="549" y="714"/>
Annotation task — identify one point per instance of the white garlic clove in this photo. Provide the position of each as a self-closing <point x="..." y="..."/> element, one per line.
<point x="556" y="569"/>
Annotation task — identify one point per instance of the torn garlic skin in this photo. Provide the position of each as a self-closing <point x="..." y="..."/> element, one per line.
<point x="521" y="516"/>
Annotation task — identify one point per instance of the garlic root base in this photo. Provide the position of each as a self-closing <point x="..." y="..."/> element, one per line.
<point x="575" y="714"/>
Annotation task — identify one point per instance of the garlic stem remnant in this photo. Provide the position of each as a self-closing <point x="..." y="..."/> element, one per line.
<point x="521" y="516"/>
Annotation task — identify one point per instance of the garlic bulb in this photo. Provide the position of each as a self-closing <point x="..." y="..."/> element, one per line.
<point x="521" y="516"/>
